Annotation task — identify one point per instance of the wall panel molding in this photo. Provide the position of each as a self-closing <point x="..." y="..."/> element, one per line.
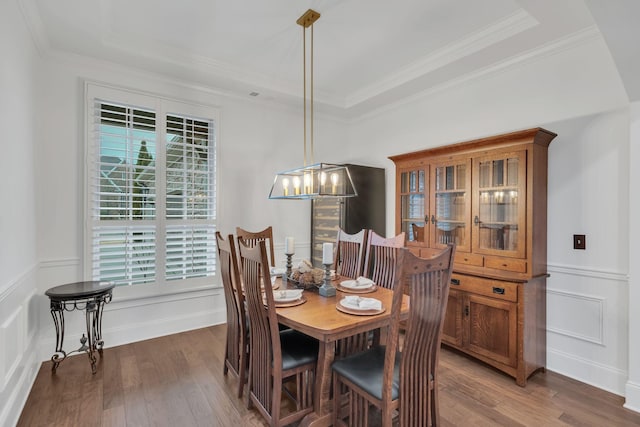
<point x="6" y="290"/>
<point x="11" y="345"/>
<point x="598" y="307"/>
<point x="573" y="270"/>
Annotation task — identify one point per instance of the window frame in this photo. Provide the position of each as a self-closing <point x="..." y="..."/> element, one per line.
<point x="162" y="106"/>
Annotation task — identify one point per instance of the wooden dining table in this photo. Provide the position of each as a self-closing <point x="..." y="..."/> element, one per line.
<point x="318" y="317"/>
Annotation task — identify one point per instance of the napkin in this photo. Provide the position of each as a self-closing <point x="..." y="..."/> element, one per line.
<point x="363" y="303"/>
<point x="287" y="294"/>
<point x="363" y="282"/>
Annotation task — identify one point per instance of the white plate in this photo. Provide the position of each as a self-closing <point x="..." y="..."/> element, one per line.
<point x="354" y="303"/>
<point x="355" y="284"/>
<point x="278" y="271"/>
<point x="287" y="295"/>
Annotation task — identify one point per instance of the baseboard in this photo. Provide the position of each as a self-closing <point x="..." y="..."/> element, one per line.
<point x="115" y="334"/>
<point x="632" y="396"/>
<point x="601" y="376"/>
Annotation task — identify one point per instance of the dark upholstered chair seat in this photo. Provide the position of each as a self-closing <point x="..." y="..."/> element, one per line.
<point x="297" y="349"/>
<point x="365" y="370"/>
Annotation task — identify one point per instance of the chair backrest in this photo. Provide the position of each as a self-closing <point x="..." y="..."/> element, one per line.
<point x="233" y="295"/>
<point x="381" y="257"/>
<point x="264" y="336"/>
<point x="349" y="253"/>
<point x="418" y="232"/>
<point x="252" y="238"/>
<point x="429" y="279"/>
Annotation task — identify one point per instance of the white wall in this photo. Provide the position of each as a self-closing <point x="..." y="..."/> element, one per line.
<point x="256" y="140"/>
<point x="18" y="262"/>
<point x="576" y="93"/>
<point x="632" y="389"/>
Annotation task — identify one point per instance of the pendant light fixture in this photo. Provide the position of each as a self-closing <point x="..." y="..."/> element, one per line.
<point x="312" y="180"/>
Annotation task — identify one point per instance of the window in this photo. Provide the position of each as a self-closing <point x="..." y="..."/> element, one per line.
<point x="150" y="189"/>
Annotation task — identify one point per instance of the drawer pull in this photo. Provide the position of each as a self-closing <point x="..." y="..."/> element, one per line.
<point x="455" y="282"/>
<point x="499" y="291"/>
<point x="466" y="310"/>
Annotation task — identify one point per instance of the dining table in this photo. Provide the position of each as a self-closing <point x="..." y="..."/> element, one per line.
<point x="321" y="318"/>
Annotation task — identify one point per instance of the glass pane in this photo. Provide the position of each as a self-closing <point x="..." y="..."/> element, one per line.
<point x="461" y="175"/>
<point x="499" y="220"/>
<point x="448" y="232"/>
<point x="500" y="237"/>
<point x="484" y="174"/>
<point x="413" y="207"/>
<point x="498" y="173"/>
<point x="512" y="171"/>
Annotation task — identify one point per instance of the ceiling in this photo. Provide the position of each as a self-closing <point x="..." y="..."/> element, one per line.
<point x="367" y="52"/>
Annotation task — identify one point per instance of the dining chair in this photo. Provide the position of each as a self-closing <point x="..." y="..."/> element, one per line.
<point x="253" y="237"/>
<point x="381" y="258"/>
<point x="405" y="383"/>
<point x="349" y="253"/>
<point x="418" y="232"/>
<point x="274" y="355"/>
<point x="235" y="355"/>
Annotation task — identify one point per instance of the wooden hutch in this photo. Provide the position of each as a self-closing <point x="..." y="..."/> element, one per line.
<point x="489" y="197"/>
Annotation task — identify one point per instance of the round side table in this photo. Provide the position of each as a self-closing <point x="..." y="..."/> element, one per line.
<point x="90" y="296"/>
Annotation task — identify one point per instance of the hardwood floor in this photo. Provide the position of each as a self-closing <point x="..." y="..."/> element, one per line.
<point x="177" y="380"/>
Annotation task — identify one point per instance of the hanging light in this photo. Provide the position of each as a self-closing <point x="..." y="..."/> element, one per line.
<point x="312" y="180"/>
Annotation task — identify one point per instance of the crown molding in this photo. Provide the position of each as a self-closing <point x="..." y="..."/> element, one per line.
<point x="34" y="25"/>
<point x="505" y="28"/>
<point x="557" y="46"/>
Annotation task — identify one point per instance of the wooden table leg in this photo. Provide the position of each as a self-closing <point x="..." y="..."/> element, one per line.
<point x="321" y="415"/>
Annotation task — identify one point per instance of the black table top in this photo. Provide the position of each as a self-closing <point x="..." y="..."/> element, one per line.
<point x="79" y="290"/>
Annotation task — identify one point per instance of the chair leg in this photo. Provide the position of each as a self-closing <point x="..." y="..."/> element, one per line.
<point x="434" y="407"/>
<point x="336" y="399"/>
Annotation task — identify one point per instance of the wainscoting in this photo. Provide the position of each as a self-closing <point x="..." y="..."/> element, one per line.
<point x="19" y="363"/>
<point x="587" y="326"/>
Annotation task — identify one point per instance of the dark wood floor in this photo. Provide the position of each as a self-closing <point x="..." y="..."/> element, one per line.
<point x="177" y="381"/>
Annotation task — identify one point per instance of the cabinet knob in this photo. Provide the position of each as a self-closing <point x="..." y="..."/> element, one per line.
<point x="433" y="219"/>
<point x="466" y="310"/>
<point x="476" y="220"/>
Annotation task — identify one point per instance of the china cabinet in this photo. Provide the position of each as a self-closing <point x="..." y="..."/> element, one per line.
<point x="489" y="197"/>
<point x="351" y="214"/>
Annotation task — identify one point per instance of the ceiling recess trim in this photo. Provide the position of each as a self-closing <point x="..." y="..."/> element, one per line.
<point x="503" y="29"/>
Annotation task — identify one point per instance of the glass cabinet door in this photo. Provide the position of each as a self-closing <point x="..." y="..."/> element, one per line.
<point x="451" y="204"/>
<point x="413" y="204"/>
<point x="499" y="205"/>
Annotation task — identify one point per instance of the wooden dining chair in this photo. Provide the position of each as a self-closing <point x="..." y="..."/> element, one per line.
<point x="349" y="253"/>
<point x="253" y="237"/>
<point x="381" y="258"/>
<point x="418" y="232"/>
<point x="274" y="356"/>
<point x="404" y="383"/>
<point x="235" y="355"/>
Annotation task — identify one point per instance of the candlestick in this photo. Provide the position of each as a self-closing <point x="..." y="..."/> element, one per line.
<point x="289" y="265"/>
<point x="289" y="246"/>
<point x="327" y="253"/>
<point x="327" y="289"/>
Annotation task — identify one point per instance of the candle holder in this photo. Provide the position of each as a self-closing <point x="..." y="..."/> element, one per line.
<point x="289" y="265"/>
<point x="327" y="289"/>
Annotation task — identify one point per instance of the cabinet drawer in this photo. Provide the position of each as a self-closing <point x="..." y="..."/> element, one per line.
<point x="517" y="265"/>
<point x="507" y="291"/>
<point x="469" y="259"/>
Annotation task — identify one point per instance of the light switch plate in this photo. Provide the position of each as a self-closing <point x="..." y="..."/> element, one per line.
<point x="579" y="241"/>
